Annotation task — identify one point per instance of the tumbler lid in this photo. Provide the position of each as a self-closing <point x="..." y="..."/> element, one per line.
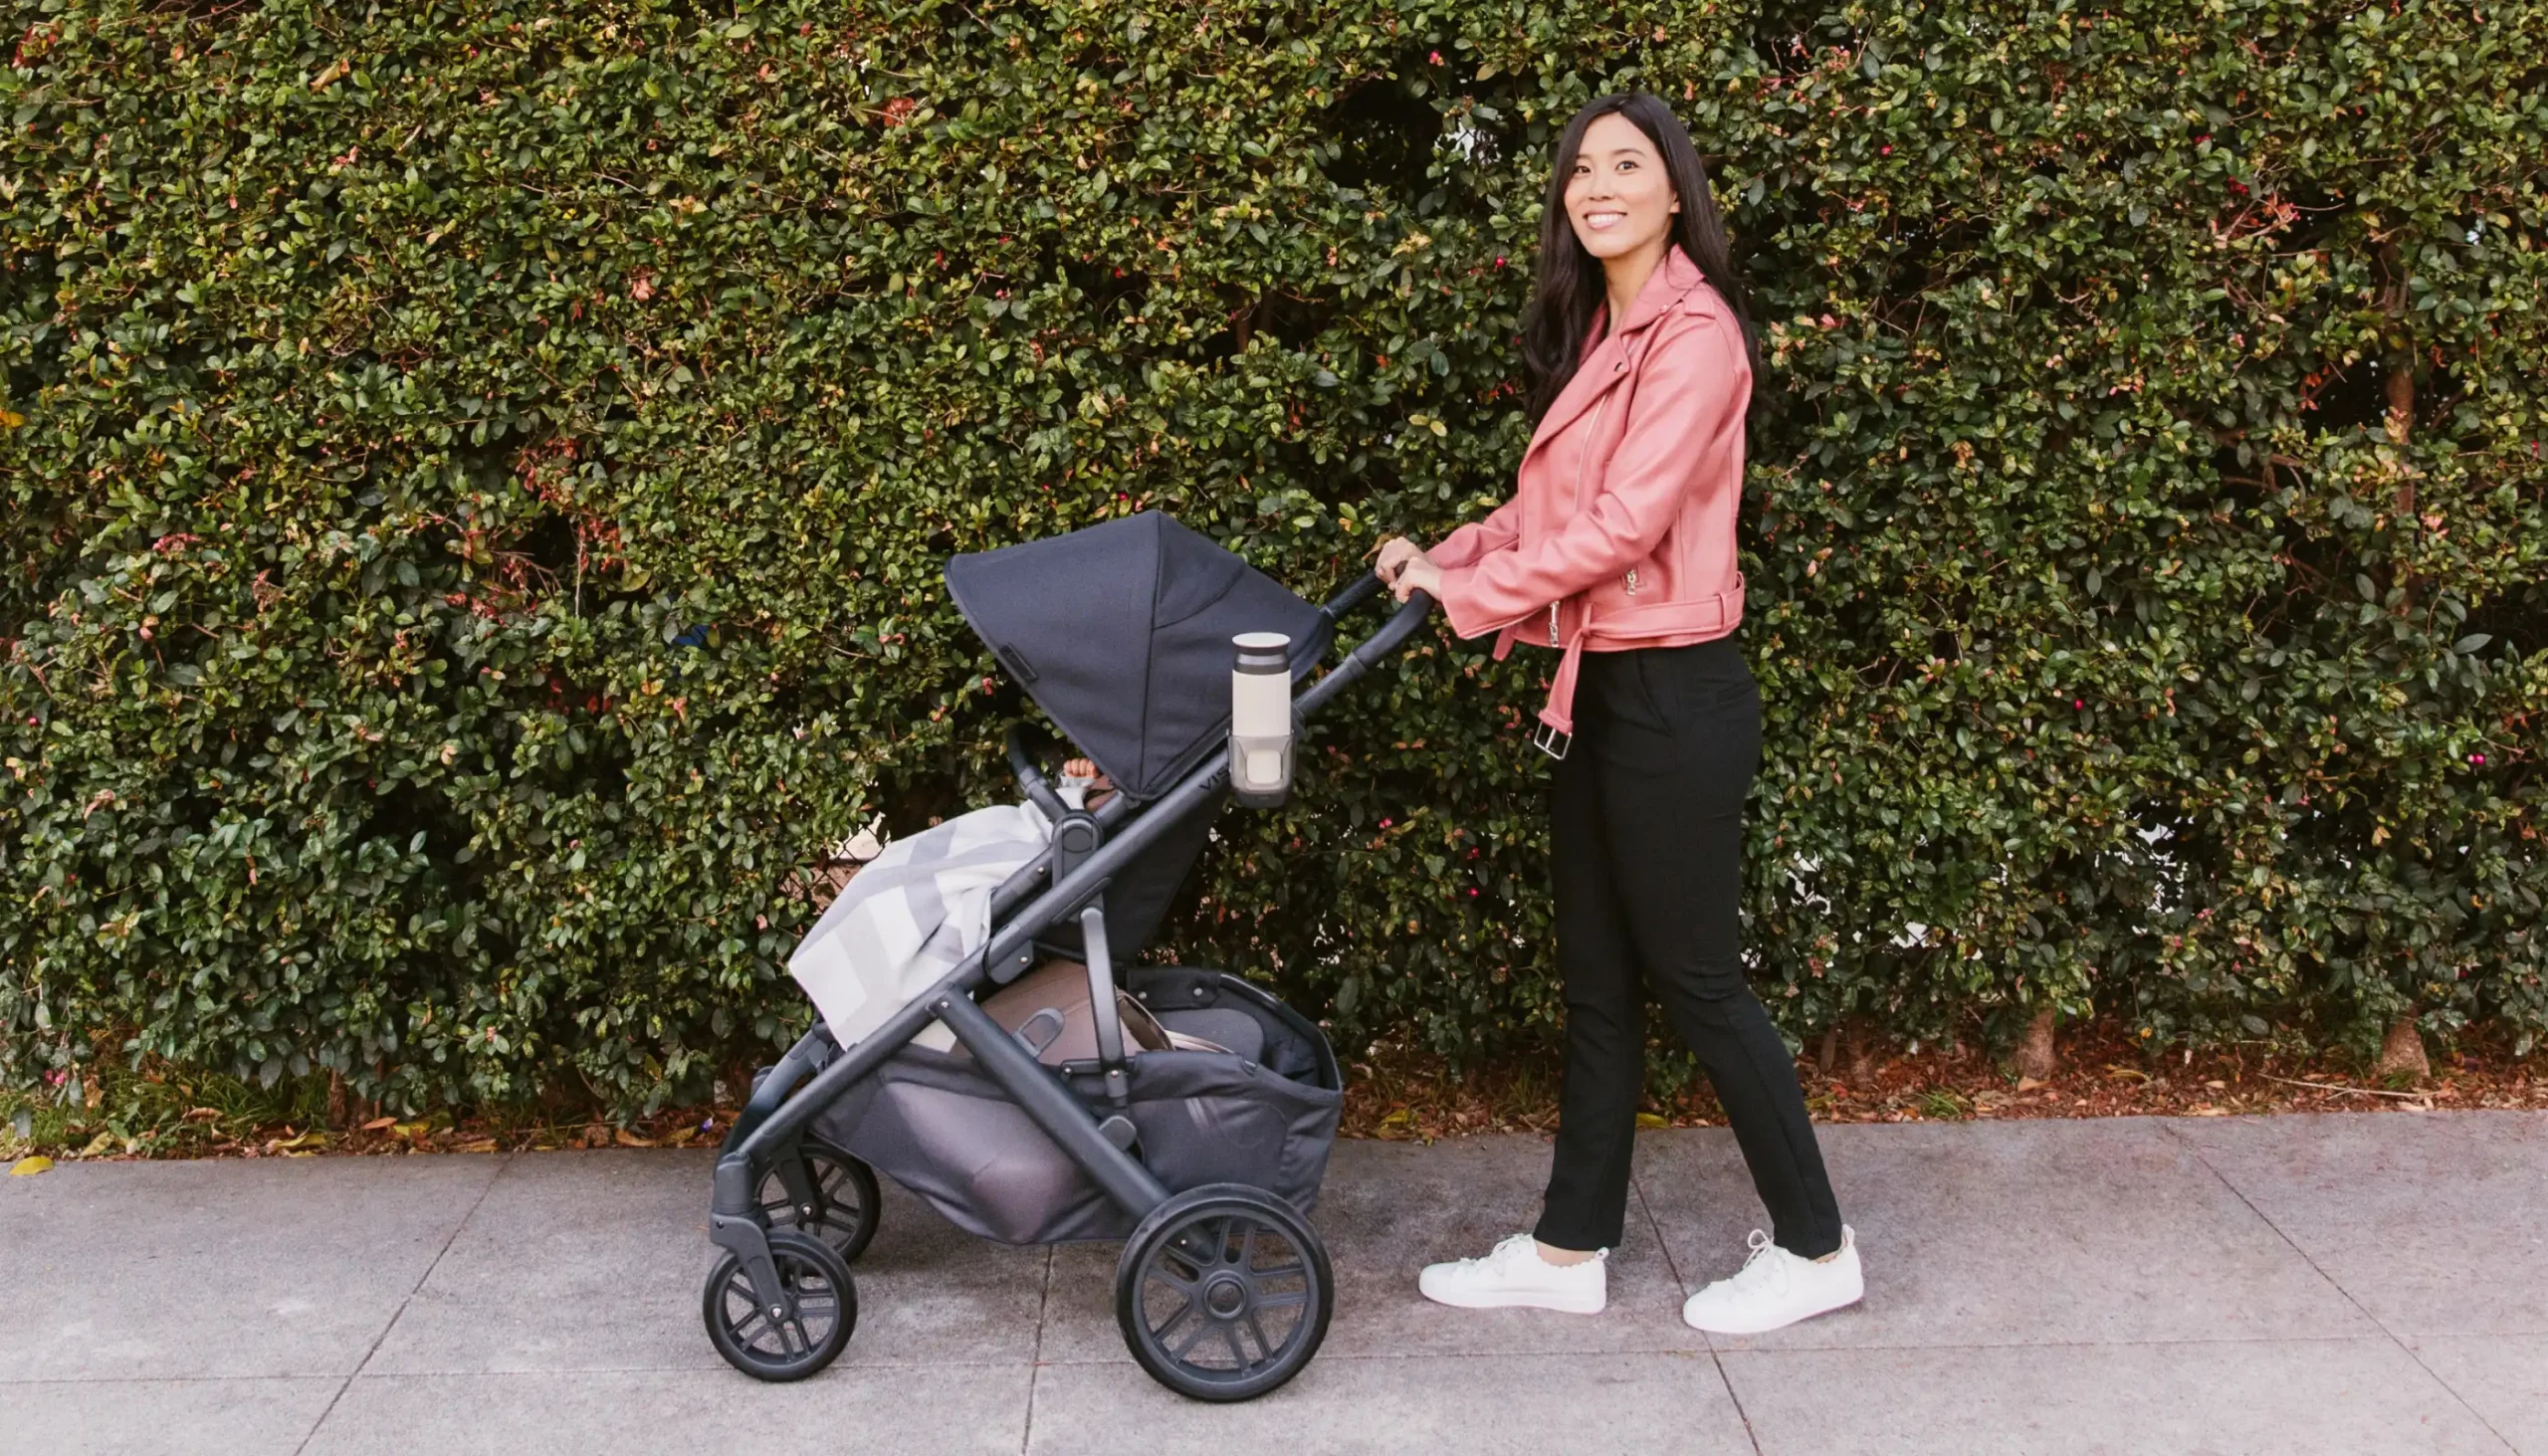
<point x="1263" y="652"/>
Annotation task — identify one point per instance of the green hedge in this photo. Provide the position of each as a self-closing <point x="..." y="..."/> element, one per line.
<point x="476" y="479"/>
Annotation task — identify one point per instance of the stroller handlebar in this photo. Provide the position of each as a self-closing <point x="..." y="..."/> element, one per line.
<point x="1358" y="591"/>
<point x="1372" y="649"/>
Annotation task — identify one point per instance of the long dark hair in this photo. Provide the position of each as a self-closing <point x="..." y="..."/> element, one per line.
<point x="1571" y="286"/>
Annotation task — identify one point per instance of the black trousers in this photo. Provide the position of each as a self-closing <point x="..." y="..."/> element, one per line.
<point x="1648" y="849"/>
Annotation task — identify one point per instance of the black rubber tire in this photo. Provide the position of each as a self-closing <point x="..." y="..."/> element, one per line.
<point x="822" y="1311"/>
<point x="1197" y="1280"/>
<point x="849" y="1203"/>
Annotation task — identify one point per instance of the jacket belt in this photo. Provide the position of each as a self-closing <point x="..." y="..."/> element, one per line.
<point x="1635" y="626"/>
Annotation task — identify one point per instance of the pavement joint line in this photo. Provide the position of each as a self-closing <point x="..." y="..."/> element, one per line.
<point x="2196" y="1149"/>
<point x="721" y="1368"/>
<point x="1376" y="1357"/>
<point x="1035" y="1361"/>
<point x="1092" y="1362"/>
<point x="394" y="1315"/>
<point x="2194" y="1342"/>
<point x="1798" y="1350"/>
<point x="1637" y="1185"/>
<point x="1324" y="1356"/>
<point x="24" y="1381"/>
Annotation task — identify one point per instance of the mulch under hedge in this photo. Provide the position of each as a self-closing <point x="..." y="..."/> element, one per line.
<point x="1399" y="1095"/>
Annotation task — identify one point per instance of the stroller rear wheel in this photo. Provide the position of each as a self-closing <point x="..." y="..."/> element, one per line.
<point x="797" y="1339"/>
<point x="843" y="1205"/>
<point x="1223" y="1293"/>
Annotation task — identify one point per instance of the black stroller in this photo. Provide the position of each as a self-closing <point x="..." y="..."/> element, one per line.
<point x="1205" y="1162"/>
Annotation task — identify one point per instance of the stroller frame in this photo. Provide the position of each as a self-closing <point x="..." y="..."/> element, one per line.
<point x="1075" y="869"/>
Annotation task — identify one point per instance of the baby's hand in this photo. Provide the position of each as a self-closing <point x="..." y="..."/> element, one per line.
<point x="1086" y="770"/>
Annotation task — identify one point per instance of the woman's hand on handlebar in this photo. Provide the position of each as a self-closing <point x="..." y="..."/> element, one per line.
<point x="1405" y="567"/>
<point x="1394" y="553"/>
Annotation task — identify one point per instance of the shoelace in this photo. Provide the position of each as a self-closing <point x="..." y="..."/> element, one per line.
<point x="1758" y="1267"/>
<point x="1506" y="1250"/>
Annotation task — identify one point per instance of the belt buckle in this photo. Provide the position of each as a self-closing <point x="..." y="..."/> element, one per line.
<point x="1549" y="736"/>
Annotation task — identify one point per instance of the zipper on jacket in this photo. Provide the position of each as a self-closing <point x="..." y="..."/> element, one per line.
<point x="1585" y="461"/>
<point x="1631" y="581"/>
<point x="1581" y="463"/>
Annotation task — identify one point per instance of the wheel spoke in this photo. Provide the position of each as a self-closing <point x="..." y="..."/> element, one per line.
<point x="1255" y="1327"/>
<point x="1187" y="1305"/>
<point x="1246" y="1245"/>
<point x="1202" y="1326"/>
<point x="1291" y="1300"/>
<point x="1230" y="1333"/>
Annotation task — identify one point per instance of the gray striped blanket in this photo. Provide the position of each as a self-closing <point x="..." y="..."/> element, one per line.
<point x="910" y="915"/>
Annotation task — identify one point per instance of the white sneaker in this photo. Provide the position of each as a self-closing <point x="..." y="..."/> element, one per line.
<point x="1514" y="1275"/>
<point x="1776" y="1287"/>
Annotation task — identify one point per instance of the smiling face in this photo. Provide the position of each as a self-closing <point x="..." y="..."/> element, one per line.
<point x="1620" y="197"/>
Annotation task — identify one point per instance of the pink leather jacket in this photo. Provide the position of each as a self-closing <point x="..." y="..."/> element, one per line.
<point x="1621" y="526"/>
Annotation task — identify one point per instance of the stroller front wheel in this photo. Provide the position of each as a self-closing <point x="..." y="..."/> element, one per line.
<point x="1223" y="1293"/>
<point x="796" y="1340"/>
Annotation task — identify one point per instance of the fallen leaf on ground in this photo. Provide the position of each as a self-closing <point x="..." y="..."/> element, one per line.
<point x="631" y="1139"/>
<point x="483" y="1144"/>
<point x="27" y="1167"/>
<point x="2028" y="1084"/>
<point x="1652" y="1120"/>
<point x="376" y="1124"/>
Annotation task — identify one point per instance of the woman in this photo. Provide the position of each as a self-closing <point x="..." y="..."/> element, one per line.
<point x="1618" y="548"/>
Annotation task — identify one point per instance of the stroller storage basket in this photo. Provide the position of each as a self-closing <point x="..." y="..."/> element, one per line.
<point x="934" y="1123"/>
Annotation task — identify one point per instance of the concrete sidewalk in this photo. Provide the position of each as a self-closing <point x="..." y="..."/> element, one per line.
<point x="2300" y="1284"/>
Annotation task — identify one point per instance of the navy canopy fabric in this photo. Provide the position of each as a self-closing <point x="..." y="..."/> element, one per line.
<point x="1121" y="632"/>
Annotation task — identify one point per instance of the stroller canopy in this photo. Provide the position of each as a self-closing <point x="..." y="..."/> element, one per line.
<point x="1121" y="632"/>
